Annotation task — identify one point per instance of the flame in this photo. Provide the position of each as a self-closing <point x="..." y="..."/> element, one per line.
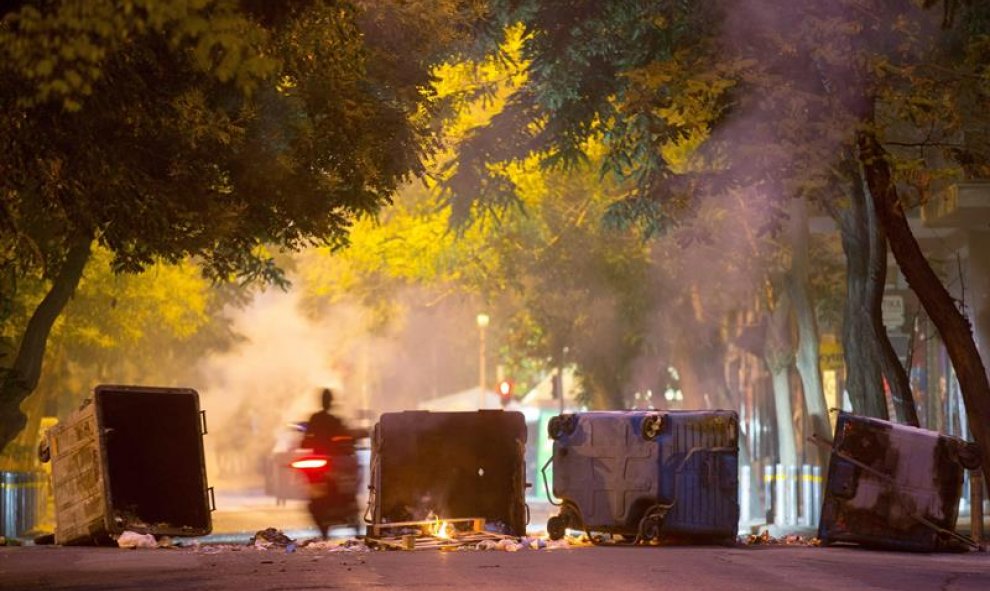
<point x="442" y="529"/>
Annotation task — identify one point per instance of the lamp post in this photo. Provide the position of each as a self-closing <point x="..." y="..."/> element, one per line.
<point x="563" y="362"/>
<point x="483" y="321"/>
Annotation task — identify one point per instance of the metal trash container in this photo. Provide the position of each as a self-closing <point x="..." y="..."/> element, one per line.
<point x="452" y="465"/>
<point x="130" y="459"/>
<point x="23" y="496"/>
<point x="647" y="475"/>
<point x="894" y="486"/>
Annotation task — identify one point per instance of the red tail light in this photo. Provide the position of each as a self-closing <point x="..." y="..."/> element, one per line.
<point x="310" y="463"/>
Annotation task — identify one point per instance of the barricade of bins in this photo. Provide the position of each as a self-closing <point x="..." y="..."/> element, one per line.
<point x="649" y="476"/>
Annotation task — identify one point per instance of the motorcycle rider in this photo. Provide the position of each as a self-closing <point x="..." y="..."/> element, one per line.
<point x="333" y="497"/>
<point x="324" y="427"/>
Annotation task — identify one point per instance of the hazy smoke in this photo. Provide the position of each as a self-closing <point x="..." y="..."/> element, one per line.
<point x="273" y="377"/>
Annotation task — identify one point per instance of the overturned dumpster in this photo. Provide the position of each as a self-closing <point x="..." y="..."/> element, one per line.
<point x="130" y="459"/>
<point x="894" y="486"/>
<point x="459" y="466"/>
<point x="647" y="475"/>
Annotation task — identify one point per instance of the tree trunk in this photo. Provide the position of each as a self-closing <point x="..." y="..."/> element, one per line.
<point x="938" y="303"/>
<point x="22" y="377"/>
<point x="779" y="356"/>
<point x="804" y="311"/>
<point x="895" y="374"/>
<point x="863" y="366"/>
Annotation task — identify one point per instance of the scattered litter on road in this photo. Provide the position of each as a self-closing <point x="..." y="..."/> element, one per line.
<point x="273" y="539"/>
<point x="168" y="542"/>
<point x="132" y="539"/>
<point x="506" y="545"/>
<point x="348" y="545"/>
<point x="524" y="543"/>
<point x="270" y="537"/>
<point x="765" y="539"/>
<point x="217" y="548"/>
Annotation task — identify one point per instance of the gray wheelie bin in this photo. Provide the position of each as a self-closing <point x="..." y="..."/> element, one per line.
<point x="643" y="476"/>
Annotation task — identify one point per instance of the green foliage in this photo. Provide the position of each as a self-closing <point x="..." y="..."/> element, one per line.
<point x="193" y="128"/>
<point x="592" y="67"/>
<point x="218" y="131"/>
<point x="550" y="273"/>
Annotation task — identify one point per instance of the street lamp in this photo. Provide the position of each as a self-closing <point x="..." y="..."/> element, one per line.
<point x="483" y="321"/>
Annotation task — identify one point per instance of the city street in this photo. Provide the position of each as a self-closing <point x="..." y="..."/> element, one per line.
<point x="388" y="293"/>
<point x="223" y="560"/>
<point x="739" y="568"/>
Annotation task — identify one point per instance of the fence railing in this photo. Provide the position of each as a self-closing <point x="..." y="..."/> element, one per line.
<point x="791" y="495"/>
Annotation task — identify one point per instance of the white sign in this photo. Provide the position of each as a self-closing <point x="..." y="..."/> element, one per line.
<point x="893" y="311"/>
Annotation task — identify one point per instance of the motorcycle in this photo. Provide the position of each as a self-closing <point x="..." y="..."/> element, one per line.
<point x="333" y="478"/>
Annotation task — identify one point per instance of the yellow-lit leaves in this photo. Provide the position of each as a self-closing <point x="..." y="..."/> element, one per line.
<point x="117" y="311"/>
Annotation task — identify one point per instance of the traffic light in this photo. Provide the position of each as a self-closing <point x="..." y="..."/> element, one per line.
<point x="505" y="392"/>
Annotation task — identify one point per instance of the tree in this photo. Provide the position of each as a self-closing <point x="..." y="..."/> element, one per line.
<point x="881" y="79"/>
<point x="206" y="129"/>
<point x="151" y="328"/>
<point x="548" y="270"/>
<point x="807" y="354"/>
<point x="649" y="81"/>
<point x="805" y="82"/>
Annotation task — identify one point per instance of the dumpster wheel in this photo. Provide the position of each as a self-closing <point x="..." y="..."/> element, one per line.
<point x="569" y="517"/>
<point x="556" y="527"/>
<point x="651" y="524"/>
<point x="969" y="456"/>
<point x="651" y="427"/>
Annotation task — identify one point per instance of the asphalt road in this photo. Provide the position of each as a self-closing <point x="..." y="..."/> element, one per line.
<point x="738" y="568"/>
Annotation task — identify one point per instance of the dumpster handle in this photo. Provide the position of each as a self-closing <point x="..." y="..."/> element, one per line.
<point x="372" y="492"/>
<point x="546" y="487"/>
<point x="202" y="420"/>
<point x="213" y="499"/>
<point x="821" y="441"/>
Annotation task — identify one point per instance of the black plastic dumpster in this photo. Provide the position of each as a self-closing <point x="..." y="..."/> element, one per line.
<point x="449" y="464"/>
<point x="130" y="459"/>
<point x="894" y="486"/>
<point x="23" y="496"/>
<point x="647" y="475"/>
